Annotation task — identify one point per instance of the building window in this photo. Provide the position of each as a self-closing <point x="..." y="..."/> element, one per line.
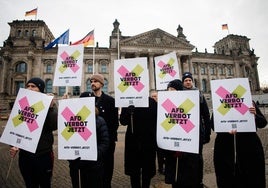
<point x="221" y="70"/>
<point x="21" y="67"/>
<point x="104" y="68"/>
<point x="90" y="68"/>
<point x="62" y="90"/>
<point x="18" y="85"/>
<point x="26" y="33"/>
<point x="49" y="68"/>
<point x="19" y="33"/>
<point x="33" y="33"/>
<point x="204" y="85"/>
<point x="229" y="71"/>
<point x="212" y="71"/>
<point x="203" y="70"/>
<point x="48" y="88"/>
<point x="88" y="85"/>
<point x="105" y="87"/>
<point x="76" y="90"/>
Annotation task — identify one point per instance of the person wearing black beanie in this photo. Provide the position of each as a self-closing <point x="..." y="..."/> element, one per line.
<point x="38" y="82"/>
<point x="175" y="85"/>
<point x="36" y="168"/>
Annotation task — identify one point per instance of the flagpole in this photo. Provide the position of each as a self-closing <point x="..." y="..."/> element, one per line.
<point x="118" y="51"/>
<point x="36" y="13"/>
<point x="93" y="61"/>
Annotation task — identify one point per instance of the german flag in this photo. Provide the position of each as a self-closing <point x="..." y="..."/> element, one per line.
<point x="31" y="12"/>
<point x="87" y="40"/>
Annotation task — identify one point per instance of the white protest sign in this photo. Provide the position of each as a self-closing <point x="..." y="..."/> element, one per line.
<point x="231" y="99"/>
<point x="68" y="71"/>
<point x="26" y="120"/>
<point x="178" y="120"/>
<point x="77" y="129"/>
<point x="131" y="82"/>
<point x="166" y="70"/>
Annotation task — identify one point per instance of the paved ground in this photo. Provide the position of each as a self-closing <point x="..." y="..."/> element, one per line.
<point x="61" y="176"/>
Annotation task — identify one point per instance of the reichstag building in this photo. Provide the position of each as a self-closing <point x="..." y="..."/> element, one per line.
<point x="22" y="56"/>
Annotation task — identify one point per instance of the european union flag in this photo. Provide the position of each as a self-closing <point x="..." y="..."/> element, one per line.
<point x="63" y="39"/>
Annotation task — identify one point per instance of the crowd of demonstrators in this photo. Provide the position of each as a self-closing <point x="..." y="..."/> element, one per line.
<point x="188" y="171"/>
<point x="86" y="173"/>
<point x="205" y="129"/>
<point x="36" y="168"/>
<point x="159" y="151"/>
<point x="106" y="107"/>
<point x="240" y="165"/>
<point x="140" y="143"/>
<point x="239" y="157"/>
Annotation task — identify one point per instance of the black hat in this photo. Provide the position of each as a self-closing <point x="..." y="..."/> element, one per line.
<point x="38" y="82"/>
<point x="176" y="84"/>
<point x="187" y="75"/>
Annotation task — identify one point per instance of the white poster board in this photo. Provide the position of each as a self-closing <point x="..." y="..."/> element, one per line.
<point x="68" y="71"/>
<point x="231" y="99"/>
<point x="166" y="70"/>
<point x="26" y="120"/>
<point x="131" y="82"/>
<point x="178" y="120"/>
<point x="77" y="129"/>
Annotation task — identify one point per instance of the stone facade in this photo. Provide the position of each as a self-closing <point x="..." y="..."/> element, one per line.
<point x="23" y="56"/>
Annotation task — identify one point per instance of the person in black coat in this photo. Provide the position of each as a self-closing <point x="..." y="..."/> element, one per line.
<point x="241" y="164"/>
<point x="37" y="168"/>
<point x="205" y="129"/>
<point x="140" y="143"/>
<point x="86" y="173"/>
<point x="183" y="169"/>
<point x="107" y="110"/>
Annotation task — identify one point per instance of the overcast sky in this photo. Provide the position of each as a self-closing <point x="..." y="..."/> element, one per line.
<point x="201" y="20"/>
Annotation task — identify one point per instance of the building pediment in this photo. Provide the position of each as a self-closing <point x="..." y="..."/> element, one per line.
<point x="157" y="38"/>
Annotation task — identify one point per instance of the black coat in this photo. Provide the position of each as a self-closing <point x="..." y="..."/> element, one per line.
<point x="140" y="140"/>
<point x="249" y="170"/>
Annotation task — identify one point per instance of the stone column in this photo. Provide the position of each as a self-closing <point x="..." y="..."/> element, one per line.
<point x="151" y="72"/>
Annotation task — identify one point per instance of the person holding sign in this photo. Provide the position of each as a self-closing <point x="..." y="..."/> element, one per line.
<point x="183" y="169"/>
<point x="140" y="143"/>
<point x="107" y="110"/>
<point x="86" y="173"/>
<point x="239" y="157"/>
<point x="205" y="129"/>
<point x="36" y="168"/>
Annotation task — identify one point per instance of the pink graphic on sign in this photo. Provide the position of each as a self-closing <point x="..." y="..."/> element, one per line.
<point x="222" y="92"/>
<point x="123" y="72"/>
<point x="66" y="58"/>
<point x="67" y="114"/>
<point x="23" y="104"/>
<point x="161" y="64"/>
<point x="168" y="106"/>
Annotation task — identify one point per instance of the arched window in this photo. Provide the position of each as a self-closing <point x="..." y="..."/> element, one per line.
<point x="21" y="67"/>
<point x="19" y="33"/>
<point x="104" y="68"/>
<point x="105" y="87"/>
<point x="90" y="68"/>
<point x="203" y="70"/>
<point x="204" y="85"/>
<point x="76" y="90"/>
<point x="33" y="33"/>
<point x="88" y="85"/>
<point x="48" y="88"/>
<point x="49" y="68"/>
<point x="27" y="33"/>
